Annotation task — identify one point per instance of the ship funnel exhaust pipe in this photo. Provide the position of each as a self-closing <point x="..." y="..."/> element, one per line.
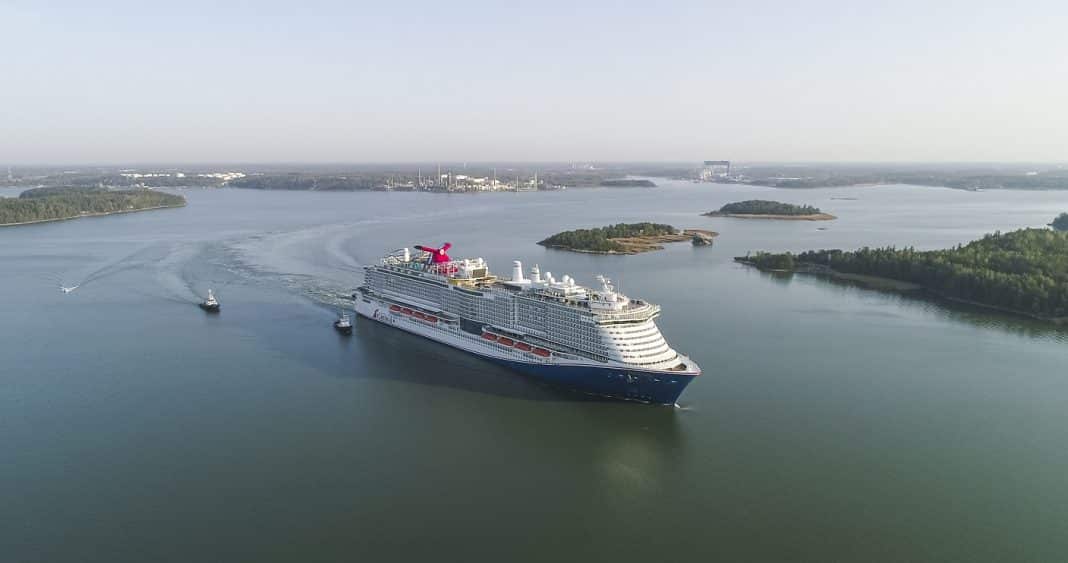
<point x="517" y="271"/>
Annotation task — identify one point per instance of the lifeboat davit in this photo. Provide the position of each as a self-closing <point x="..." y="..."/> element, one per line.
<point x="542" y="352"/>
<point x="506" y="341"/>
<point x="522" y="346"/>
<point x="489" y="336"/>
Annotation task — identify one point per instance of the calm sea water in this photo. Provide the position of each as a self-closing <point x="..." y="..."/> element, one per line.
<point x="831" y="423"/>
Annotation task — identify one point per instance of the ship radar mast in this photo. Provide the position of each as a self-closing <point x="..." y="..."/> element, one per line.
<point x="606" y="284"/>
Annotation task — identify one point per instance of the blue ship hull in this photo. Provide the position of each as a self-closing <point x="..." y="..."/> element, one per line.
<point x="618" y="383"/>
<point x="613" y="381"/>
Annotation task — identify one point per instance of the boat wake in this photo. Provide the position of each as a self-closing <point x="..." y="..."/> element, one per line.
<point x="320" y="263"/>
<point x="138" y="259"/>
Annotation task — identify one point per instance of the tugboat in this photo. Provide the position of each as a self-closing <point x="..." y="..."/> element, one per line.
<point x="210" y="304"/>
<point x="343" y="324"/>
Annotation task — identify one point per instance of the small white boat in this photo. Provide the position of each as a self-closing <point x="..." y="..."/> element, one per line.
<point x="210" y="304"/>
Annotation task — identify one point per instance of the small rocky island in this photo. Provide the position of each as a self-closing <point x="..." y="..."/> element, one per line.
<point x="39" y="205"/>
<point x="628" y="183"/>
<point x="764" y="209"/>
<point x="1023" y="272"/>
<point x="626" y="238"/>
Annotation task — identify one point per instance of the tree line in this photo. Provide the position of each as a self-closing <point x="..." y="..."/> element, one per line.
<point x="44" y="204"/>
<point x="1024" y="270"/>
<point x="919" y="175"/>
<point x="771" y="261"/>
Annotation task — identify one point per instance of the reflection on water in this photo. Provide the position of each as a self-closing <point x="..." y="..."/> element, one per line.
<point x="781" y="278"/>
<point x="954" y="311"/>
<point x="985" y="318"/>
<point x="415" y="360"/>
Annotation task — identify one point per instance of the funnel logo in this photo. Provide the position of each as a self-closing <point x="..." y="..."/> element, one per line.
<point x="437" y="255"/>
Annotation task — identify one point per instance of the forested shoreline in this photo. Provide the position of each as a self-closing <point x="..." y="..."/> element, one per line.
<point x="59" y="203"/>
<point x="1024" y="271"/>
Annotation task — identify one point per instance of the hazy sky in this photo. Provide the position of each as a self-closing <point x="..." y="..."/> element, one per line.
<point x="185" y="81"/>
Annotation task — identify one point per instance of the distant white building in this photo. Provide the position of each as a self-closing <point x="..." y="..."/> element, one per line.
<point x="713" y="169"/>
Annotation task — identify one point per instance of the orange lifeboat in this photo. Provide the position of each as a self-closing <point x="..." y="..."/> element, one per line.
<point x="418" y="315"/>
<point x="394" y="308"/>
<point x="542" y="352"/>
<point x="489" y="336"/>
<point x="406" y="311"/>
<point x="506" y="341"/>
<point x="430" y="319"/>
<point x="522" y="346"/>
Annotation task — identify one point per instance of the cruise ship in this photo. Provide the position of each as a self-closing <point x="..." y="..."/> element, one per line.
<point x="594" y="340"/>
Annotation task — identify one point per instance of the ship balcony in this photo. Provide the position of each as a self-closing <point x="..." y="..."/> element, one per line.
<point x="632" y="312"/>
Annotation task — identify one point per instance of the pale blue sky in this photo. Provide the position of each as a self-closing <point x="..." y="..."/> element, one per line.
<point x="479" y="81"/>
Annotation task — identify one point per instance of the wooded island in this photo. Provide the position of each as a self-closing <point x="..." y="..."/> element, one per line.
<point x="624" y="238"/>
<point x="58" y="203"/>
<point x="764" y="209"/>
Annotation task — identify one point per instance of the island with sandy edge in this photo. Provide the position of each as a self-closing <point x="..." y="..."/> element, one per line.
<point x="624" y="238"/>
<point x="763" y="209"/>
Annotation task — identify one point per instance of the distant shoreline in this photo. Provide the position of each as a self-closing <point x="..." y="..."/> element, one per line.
<point x="821" y="186"/>
<point x="82" y="215"/>
<point x="627" y="183"/>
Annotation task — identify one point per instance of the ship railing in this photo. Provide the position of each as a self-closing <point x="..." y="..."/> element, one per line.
<point x="443" y="269"/>
<point x="446" y="269"/>
<point x="392" y="260"/>
<point x="644" y="312"/>
<point x="635" y="310"/>
<point x="559" y="349"/>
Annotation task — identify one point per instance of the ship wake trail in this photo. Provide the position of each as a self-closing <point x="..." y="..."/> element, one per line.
<point x="173" y="282"/>
<point x="316" y="263"/>
<point x="136" y="260"/>
<point x="205" y="267"/>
